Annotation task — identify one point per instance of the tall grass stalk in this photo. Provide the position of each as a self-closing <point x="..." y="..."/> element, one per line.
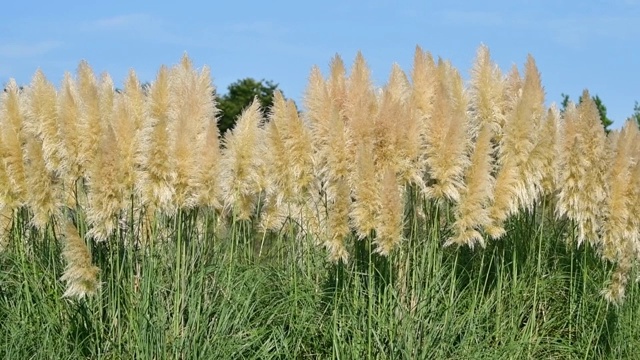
<point x="379" y="198"/>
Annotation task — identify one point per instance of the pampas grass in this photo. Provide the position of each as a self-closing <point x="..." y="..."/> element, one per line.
<point x="472" y="212"/>
<point x="11" y="140"/>
<point x="447" y="137"/>
<point x="158" y="164"/>
<point x="389" y="222"/>
<point x="583" y="188"/>
<point x="360" y="162"/>
<point x="375" y="210"/>
<point x="242" y="166"/>
<point x="80" y="275"/>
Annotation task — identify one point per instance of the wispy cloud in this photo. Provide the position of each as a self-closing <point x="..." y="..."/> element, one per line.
<point x="142" y="26"/>
<point x="265" y="28"/>
<point x="580" y="31"/>
<point x="25" y="50"/>
<point x="574" y="31"/>
<point x="125" y="22"/>
<point x="473" y="18"/>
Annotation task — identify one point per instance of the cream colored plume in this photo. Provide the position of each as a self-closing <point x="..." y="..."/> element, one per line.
<point x="472" y="212"/>
<point x="365" y="190"/>
<point x="90" y="122"/>
<point x="106" y="197"/>
<point x="447" y="137"/>
<point x="487" y="92"/>
<point x="192" y="108"/>
<point x="43" y="110"/>
<point x="12" y="137"/>
<point x="242" y="163"/>
<point x="156" y="182"/>
<point x="79" y="274"/>
<point x="582" y="177"/>
<point x="69" y="133"/>
<point x="43" y="195"/>
<point x="389" y="224"/>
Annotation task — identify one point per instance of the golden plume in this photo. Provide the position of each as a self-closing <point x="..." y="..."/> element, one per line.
<point x="280" y="187"/>
<point x="360" y="104"/>
<point x="549" y="145"/>
<point x="487" y="92"/>
<point x="159" y="170"/>
<point x="366" y="204"/>
<point x="192" y="107"/>
<point x="337" y="82"/>
<point x="583" y="187"/>
<point x="42" y="196"/>
<point x="210" y="161"/>
<point x="521" y="152"/>
<point x="616" y="229"/>
<point x="80" y="275"/>
<point x="472" y="212"/>
<point x="43" y="111"/>
<point x="389" y="224"/>
<point x="125" y="136"/>
<point x="106" y="188"/>
<point x="447" y="136"/>
<point x="90" y="121"/>
<point x="338" y="221"/>
<point x="69" y="133"/>
<point x="12" y="137"/>
<point x="531" y="151"/>
<point x="241" y="173"/>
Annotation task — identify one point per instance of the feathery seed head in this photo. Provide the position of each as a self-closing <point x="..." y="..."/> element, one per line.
<point x="390" y="225"/>
<point x="486" y="92"/>
<point x="158" y="163"/>
<point x="12" y="137"/>
<point x="242" y="173"/>
<point x="472" y="212"/>
<point x="80" y="275"/>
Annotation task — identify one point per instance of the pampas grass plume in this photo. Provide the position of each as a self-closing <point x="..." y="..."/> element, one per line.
<point x="80" y="275"/>
<point x="12" y="137"/>
<point x="472" y="212"/>
<point x="389" y="226"/>
<point x="242" y="163"/>
<point x="158" y="162"/>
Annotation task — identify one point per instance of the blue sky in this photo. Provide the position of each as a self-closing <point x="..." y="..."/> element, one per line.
<point x="577" y="44"/>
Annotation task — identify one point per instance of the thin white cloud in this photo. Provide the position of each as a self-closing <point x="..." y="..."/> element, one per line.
<point x="574" y="31"/>
<point x="124" y="22"/>
<point x="258" y="27"/>
<point x="580" y="31"/>
<point x="25" y="50"/>
<point x="473" y="18"/>
<point x="143" y="26"/>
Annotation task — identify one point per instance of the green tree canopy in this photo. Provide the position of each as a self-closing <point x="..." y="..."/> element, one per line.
<point x="636" y="113"/>
<point x="606" y="122"/>
<point x="239" y="95"/>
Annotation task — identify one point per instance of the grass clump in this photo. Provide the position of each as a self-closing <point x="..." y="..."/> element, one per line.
<point x="425" y="219"/>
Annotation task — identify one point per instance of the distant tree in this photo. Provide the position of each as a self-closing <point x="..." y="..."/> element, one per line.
<point x="239" y="95"/>
<point x="145" y="86"/>
<point x="636" y="113"/>
<point x="606" y="122"/>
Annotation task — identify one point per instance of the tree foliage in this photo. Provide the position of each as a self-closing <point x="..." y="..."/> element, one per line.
<point x="606" y="122"/>
<point x="636" y="113"/>
<point x="240" y="95"/>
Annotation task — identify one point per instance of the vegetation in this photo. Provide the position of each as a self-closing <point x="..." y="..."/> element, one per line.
<point x="239" y="96"/>
<point x="602" y="110"/>
<point x="636" y="113"/>
<point x="425" y="219"/>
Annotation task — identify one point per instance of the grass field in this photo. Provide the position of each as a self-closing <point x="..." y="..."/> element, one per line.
<point x="427" y="219"/>
<point x="190" y="294"/>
